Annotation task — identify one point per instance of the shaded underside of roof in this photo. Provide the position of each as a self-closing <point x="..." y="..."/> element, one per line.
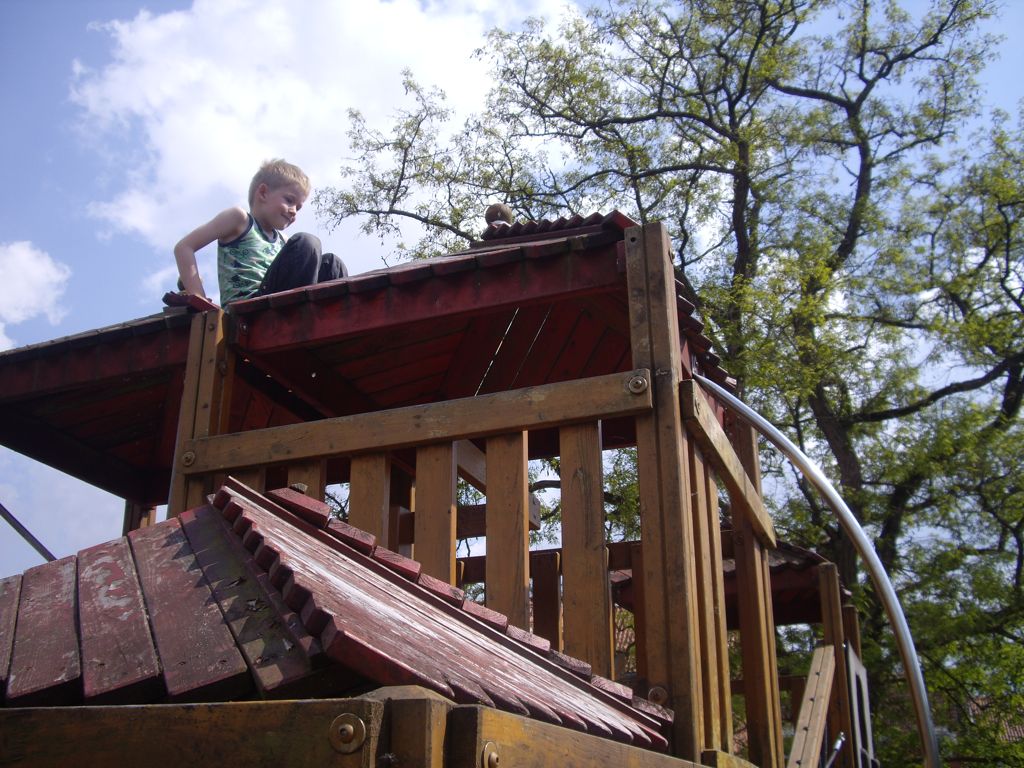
<point x="530" y="304"/>
<point x="266" y="596"/>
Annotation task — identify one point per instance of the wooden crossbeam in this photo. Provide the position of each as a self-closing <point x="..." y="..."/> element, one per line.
<point x="714" y="443"/>
<point x="600" y="397"/>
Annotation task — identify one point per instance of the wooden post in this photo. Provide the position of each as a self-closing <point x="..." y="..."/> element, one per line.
<point x="369" y="498"/>
<point x="200" y="411"/>
<point x="137" y="516"/>
<point x="757" y="622"/>
<point x="666" y="520"/>
<point x="586" y="599"/>
<point x="547" y="597"/>
<point x="311" y="474"/>
<point x="840" y="717"/>
<point x="435" y="507"/>
<point x="508" y="528"/>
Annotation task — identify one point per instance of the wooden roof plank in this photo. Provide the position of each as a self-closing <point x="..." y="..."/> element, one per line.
<point x="552" y="338"/>
<point x="46" y="668"/>
<point x="476" y="351"/>
<point x="10" y="594"/>
<point x="196" y="648"/>
<point x="119" y="662"/>
<point x="260" y="631"/>
<point x="515" y="348"/>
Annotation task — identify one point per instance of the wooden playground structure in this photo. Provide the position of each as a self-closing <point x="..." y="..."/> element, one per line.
<point x="561" y="339"/>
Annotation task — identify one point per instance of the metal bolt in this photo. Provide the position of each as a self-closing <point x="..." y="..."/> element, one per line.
<point x="347" y="733"/>
<point x="490" y="758"/>
<point x="188" y="458"/>
<point x="637" y="384"/>
<point x="658" y="695"/>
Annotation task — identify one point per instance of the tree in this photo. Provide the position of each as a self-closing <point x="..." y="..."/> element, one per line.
<point x="858" y="269"/>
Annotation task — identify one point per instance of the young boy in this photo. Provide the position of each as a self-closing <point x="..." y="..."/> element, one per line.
<point x="253" y="257"/>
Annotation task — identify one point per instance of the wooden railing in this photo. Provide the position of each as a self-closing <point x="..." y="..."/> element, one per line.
<point x="685" y="444"/>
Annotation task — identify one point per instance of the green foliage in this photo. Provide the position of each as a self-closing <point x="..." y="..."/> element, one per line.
<point x="857" y="257"/>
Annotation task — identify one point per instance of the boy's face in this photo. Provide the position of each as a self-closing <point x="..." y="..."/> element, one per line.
<point x="278" y="207"/>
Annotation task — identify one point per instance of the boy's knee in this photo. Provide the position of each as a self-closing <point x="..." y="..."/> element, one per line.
<point x="305" y="241"/>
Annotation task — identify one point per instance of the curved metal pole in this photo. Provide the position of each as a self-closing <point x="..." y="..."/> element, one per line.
<point x="876" y="571"/>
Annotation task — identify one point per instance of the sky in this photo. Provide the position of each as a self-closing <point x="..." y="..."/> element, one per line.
<point x="130" y="123"/>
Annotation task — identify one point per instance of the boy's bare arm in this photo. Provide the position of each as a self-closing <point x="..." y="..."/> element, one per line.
<point x="226" y="226"/>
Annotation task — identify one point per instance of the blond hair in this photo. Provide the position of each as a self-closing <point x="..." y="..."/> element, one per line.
<point x="276" y="173"/>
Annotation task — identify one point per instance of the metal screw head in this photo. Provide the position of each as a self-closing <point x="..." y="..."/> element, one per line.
<point x="637" y="384"/>
<point x="347" y="733"/>
<point x="188" y="458"/>
<point x="490" y="758"/>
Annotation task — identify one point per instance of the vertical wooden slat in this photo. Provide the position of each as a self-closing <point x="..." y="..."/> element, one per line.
<point x="311" y="474"/>
<point x="840" y="716"/>
<point x="851" y="628"/>
<point x="508" y="528"/>
<point x="639" y="610"/>
<point x="757" y="623"/>
<point x="670" y="581"/>
<point x="708" y="555"/>
<point x="369" y="497"/>
<point x="254" y="477"/>
<point x="721" y="632"/>
<point x="547" y="597"/>
<point x="586" y="600"/>
<point x="435" y="507"/>
<point x="119" y="663"/>
<point x="10" y="595"/>
<point x="45" y="666"/>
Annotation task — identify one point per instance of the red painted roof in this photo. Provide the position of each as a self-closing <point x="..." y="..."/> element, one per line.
<point x="266" y="595"/>
<point x="531" y="303"/>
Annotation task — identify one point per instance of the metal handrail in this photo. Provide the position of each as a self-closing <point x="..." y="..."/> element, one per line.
<point x="883" y="587"/>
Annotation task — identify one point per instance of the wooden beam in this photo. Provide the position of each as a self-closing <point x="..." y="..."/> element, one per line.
<point x="137" y="516"/>
<point x="507" y="586"/>
<point x="757" y="624"/>
<point x="702" y="424"/>
<point x="200" y="407"/>
<point x="472" y="464"/>
<point x="669" y="577"/>
<point x="547" y="597"/>
<point x="525" y="743"/>
<point x="294" y="733"/>
<point x="434" y="543"/>
<point x="369" y="498"/>
<point x="311" y="474"/>
<point x="586" y="591"/>
<point x="548" y="405"/>
<point x="814" y="705"/>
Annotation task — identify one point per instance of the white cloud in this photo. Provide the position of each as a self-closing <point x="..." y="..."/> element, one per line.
<point x="211" y="92"/>
<point x="31" y="285"/>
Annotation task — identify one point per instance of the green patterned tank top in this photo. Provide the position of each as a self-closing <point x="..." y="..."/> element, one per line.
<point x="242" y="263"/>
